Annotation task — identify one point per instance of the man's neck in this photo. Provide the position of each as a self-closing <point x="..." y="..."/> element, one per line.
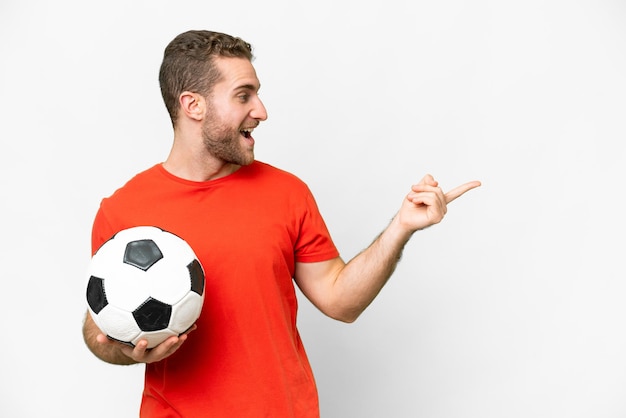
<point x="198" y="168"/>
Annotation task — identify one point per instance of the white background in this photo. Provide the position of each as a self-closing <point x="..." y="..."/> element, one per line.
<point x="513" y="306"/>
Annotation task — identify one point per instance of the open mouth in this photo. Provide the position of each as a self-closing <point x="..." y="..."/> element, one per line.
<point x="246" y="133"/>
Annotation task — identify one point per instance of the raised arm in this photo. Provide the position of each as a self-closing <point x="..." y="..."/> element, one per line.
<point x="343" y="291"/>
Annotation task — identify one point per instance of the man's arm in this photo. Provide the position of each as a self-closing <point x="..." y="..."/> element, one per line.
<point x="343" y="291"/>
<point x="117" y="353"/>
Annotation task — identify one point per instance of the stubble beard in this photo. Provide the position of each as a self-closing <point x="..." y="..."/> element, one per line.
<point x="225" y="144"/>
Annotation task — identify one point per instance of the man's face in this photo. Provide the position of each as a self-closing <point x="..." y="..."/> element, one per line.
<point x="234" y="109"/>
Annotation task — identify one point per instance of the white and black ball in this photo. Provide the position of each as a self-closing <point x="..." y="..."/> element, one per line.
<point x="145" y="283"/>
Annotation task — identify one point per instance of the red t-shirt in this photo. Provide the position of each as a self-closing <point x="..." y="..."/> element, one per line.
<point x="248" y="229"/>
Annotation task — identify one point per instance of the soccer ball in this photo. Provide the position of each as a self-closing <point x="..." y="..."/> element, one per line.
<point x="145" y="283"/>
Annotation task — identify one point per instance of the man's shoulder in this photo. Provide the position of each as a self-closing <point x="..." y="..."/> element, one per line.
<point x="266" y="169"/>
<point x="141" y="181"/>
<point x="148" y="175"/>
<point x="273" y="181"/>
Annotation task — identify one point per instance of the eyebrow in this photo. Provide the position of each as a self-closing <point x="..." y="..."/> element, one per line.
<point x="249" y="87"/>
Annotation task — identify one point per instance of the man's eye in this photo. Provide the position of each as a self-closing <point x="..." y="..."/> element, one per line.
<point x="243" y="97"/>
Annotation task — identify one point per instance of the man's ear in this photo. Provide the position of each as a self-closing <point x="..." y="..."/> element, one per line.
<point x="192" y="105"/>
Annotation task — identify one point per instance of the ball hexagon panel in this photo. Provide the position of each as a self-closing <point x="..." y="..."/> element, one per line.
<point x="117" y="323"/>
<point x="185" y="312"/>
<point x="160" y="281"/>
<point x="154" y="337"/>
<point x="127" y="286"/>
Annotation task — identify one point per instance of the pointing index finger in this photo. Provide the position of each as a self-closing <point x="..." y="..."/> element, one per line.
<point x="460" y="190"/>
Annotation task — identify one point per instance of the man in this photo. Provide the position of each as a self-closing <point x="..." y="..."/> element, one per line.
<point x="255" y="229"/>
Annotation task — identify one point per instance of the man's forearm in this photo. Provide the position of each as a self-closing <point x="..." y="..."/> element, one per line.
<point x="363" y="277"/>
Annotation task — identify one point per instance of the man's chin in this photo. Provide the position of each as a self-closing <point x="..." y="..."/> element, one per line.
<point x="246" y="159"/>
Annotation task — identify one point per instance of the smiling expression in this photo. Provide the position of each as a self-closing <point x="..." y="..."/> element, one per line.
<point x="234" y="109"/>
